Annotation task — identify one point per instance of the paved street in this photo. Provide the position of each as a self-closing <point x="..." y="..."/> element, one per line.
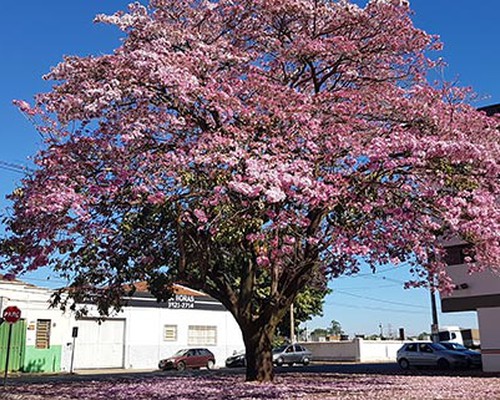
<point x="315" y="382"/>
<point x="319" y="368"/>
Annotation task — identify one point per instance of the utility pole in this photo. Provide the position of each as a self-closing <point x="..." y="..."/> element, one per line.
<point x="435" y="322"/>
<point x="292" y="325"/>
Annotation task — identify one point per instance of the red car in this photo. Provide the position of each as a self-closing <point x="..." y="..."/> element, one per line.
<point x="188" y="358"/>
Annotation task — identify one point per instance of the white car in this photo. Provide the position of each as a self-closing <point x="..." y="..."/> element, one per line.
<point x="430" y="355"/>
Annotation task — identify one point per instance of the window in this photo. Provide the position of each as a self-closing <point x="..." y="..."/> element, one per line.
<point x="202" y="335"/>
<point x="425" y="348"/>
<point x="444" y="336"/>
<point x="411" y="347"/>
<point x="455" y="255"/>
<point x="170" y="333"/>
<point x="42" y="340"/>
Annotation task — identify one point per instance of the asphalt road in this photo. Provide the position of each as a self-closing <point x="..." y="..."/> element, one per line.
<point x="314" y="368"/>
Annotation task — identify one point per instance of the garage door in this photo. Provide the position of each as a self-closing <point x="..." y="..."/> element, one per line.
<point x="99" y="345"/>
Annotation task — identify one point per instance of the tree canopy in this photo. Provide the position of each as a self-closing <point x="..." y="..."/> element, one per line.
<point x="243" y="147"/>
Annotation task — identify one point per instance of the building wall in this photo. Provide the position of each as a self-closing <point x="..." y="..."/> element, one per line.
<point x="142" y="340"/>
<point x="42" y="360"/>
<point x="479" y="292"/>
<point x="489" y="326"/>
<point x="345" y="350"/>
<point x="145" y="343"/>
<point x="34" y="305"/>
<point x="379" y="350"/>
<point x="480" y="289"/>
<point x="354" y="350"/>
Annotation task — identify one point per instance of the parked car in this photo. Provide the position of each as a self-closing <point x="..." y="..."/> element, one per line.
<point x="430" y="355"/>
<point x="474" y="357"/>
<point x="291" y="354"/>
<point x="188" y="358"/>
<point x="236" y="360"/>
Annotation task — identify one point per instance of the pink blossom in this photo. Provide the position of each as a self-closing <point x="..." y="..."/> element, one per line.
<point x="322" y="128"/>
<point x="156" y="198"/>
<point x="200" y="214"/>
<point x="275" y="195"/>
<point x="263" y="261"/>
<point x="25" y="107"/>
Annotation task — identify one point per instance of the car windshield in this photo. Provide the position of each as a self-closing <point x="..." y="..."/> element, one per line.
<point x="280" y="349"/>
<point x="180" y="353"/>
<point x="438" y="346"/>
<point x="454" y="346"/>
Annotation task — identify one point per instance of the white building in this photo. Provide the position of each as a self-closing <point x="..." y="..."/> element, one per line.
<point x="476" y="292"/>
<point x="137" y="337"/>
<point x="147" y="331"/>
<point x="40" y="337"/>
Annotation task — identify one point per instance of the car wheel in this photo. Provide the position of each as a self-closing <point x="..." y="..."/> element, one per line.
<point x="306" y="361"/>
<point x="279" y="361"/>
<point x="404" y="363"/>
<point x="210" y="364"/>
<point x="443" y="363"/>
<point x="181" y="366"/>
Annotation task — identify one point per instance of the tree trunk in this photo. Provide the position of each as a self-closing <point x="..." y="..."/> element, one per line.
<point x="259" y="357"/>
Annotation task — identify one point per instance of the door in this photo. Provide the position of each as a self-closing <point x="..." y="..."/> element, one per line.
<point x="289" y="354"/>
<point x="198" y="360"/>
<point x="426" y="354"/>
<point x="17" y="345"/>
<point x="100" y="345"/>
<point x="300" y="352"/>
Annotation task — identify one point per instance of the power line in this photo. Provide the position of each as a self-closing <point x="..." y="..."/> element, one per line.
<point x="376" y="272"/>
<point x="356" y="275"/>
<point x="393" y="310"/>
<point x="379" y="300"/>
<point x="6" y="168"/>
<point x="367" y="287"/>
<point x="12" y="167"/>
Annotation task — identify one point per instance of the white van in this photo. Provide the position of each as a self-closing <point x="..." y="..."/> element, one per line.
<point x="466" y="337"/>
<point x="451" y="334"/>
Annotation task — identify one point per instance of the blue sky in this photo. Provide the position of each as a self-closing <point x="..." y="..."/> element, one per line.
<point x="34" y="35"/>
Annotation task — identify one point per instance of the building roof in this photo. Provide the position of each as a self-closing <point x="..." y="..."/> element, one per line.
<point x="491" y="110"/>
<point x="142" y="287"/>
<point x="16" y="282"/>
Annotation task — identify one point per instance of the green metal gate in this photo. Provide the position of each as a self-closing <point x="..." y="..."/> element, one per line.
<point x="17" y="345"/>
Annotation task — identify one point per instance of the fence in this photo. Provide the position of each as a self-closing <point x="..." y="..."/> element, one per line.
<point x="357" y="350"/>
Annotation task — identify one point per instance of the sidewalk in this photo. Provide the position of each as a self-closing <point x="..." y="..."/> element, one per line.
<point x="78" y="375"/>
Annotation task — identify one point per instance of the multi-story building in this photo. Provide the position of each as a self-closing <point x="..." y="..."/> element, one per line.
<point x="476" y="292"/>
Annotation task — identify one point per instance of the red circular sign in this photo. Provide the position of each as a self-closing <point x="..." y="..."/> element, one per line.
<point x="11" y="314"/>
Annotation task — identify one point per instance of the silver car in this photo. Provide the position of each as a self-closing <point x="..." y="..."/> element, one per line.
<point x="473" y="357"/>
<point x="291" y="354"/>
<point x="431" y="355"/>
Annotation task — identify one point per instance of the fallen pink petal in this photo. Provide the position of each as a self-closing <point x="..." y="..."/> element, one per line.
<point x="328" y="386"/>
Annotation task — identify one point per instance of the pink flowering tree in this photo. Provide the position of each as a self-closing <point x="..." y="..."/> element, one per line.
<point x="249" y="148"/>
